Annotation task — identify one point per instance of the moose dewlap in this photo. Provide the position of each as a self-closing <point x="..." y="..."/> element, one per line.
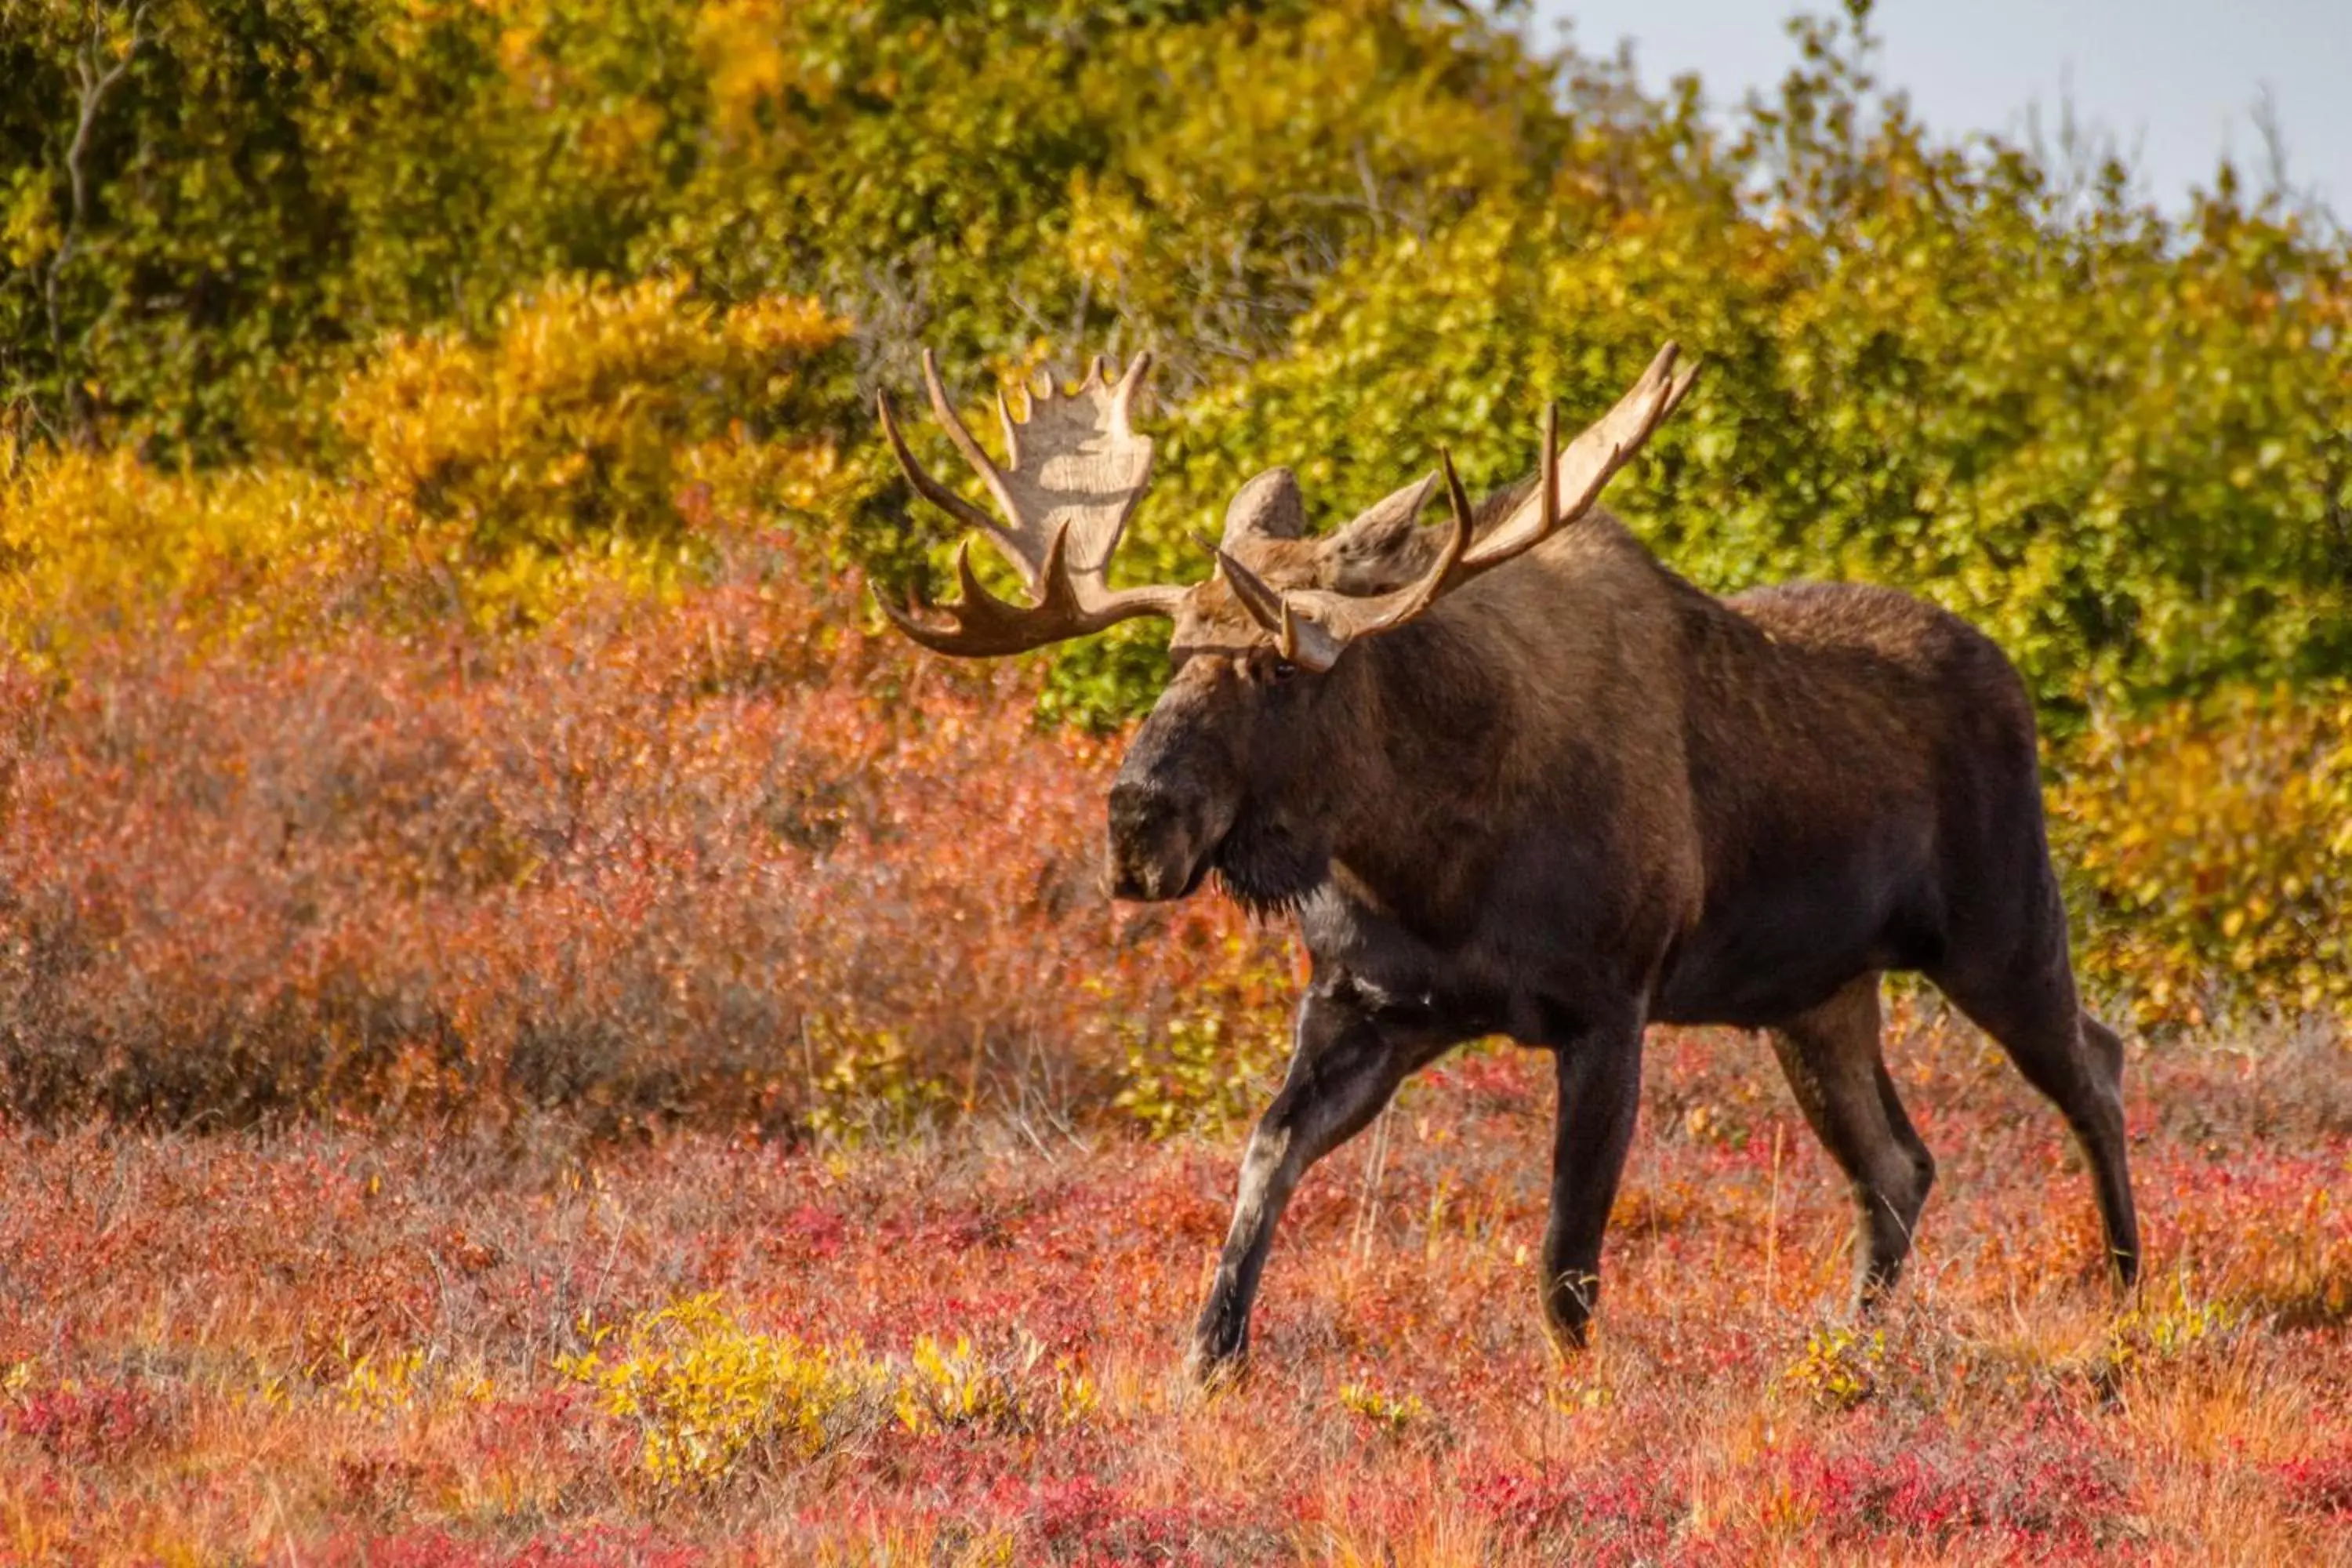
<point x="1512" y="775"/>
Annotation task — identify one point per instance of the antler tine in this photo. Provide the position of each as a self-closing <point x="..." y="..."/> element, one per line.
<point x="1550" y="467"/>
<point x="1319" y="623"/>
<point x="1013" y="536"/>
<point x="981" y="623"/>
<point x="979" y="615"/>
<point x="1572" y="480"/>
<point x="1297" y="639"/>
<point x="952" y="423"/>
<point x="1680" y="390"/>
<point x="1010" y="428"/>
<point x="1064" y="494"/>
<point x="1396" y="608"/>
<point x="1262" y="599"/>
<point x="1122" y="396"/>
<point x="930" y="488"/>
<point x="1312" y="627"/>
<point x="1457" y="499"/>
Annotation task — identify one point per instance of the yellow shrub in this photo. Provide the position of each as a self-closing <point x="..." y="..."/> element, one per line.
<point x="585" y="433"/>
<point x="1387" y="1413"/>
<point x="2211" y="848"/>
<point x="710" y="1397"/>
<point x="95" y="544"/>
<point x="2160" y="1331"/>
<point x="950" y="1386"/>
<point x="589" y="440"/>
<point x="385" y="1387"/>
<point x="1839" y="1369"/>
<point x="708" y="1394"/>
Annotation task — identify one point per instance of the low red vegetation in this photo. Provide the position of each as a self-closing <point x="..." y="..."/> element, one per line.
<point x="726" y="860"/>
<point x="89" y="1425"/>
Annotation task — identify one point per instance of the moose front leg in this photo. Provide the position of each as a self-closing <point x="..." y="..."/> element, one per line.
<point x="1600" y="1073"/>
<point x="1344" y="1066"/>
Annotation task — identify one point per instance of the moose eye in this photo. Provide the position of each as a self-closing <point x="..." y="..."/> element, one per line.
<point x="1280" y="670"/>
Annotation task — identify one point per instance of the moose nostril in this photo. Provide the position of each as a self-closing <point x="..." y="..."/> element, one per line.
<point x="1134" y="807"/>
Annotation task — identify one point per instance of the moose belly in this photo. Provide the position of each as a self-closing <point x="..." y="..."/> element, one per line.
<point x="1767" y="950"/>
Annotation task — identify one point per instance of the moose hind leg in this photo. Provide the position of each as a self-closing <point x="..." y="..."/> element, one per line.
<point x="1837" y="1070"/>
<point x="1600" y="1073"/>
<point x="2077" y="1063"/>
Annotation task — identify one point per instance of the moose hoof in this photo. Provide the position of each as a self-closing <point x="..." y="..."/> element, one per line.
<point x="1210" y="1366"/>
<point x="1570" y="1344"/>
<point x="1568" y="1306"/>
<point x="2123" y="1273"/>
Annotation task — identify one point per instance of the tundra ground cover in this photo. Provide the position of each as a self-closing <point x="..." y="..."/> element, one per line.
<point x="521" y="1345"/>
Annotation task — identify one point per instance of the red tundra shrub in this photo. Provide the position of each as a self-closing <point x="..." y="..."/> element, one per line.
<point x="2320" y="1483"/>
<point x="597" y="1548"/>
<point x="88" y="1424"/>
<point x="2046" y="1491"/>
<point x="722" y="858"/>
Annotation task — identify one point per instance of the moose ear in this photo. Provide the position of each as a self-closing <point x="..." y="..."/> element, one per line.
<point x="1268" y="507"/>
<point x="1384" y="529"/>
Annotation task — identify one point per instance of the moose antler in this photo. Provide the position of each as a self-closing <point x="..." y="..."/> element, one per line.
<point x="1312" y="625"/>
<point x="1076" y="469"/>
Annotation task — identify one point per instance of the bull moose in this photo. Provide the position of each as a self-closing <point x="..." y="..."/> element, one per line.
<point x="1512" y="775"/>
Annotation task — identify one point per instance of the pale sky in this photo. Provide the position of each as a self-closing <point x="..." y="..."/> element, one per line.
<point x="2173" y="82"/>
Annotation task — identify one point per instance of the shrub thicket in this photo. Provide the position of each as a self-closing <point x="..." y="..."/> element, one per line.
<point x="2211" y="848"/>
<point x="725" y="859"/>
<point x="1354" y="231"/>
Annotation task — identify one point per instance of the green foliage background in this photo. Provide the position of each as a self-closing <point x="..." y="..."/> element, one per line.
<point x="1352" y="231"/>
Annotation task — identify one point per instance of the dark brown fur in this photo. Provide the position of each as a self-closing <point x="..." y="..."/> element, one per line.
<point x="1580" y="795"/>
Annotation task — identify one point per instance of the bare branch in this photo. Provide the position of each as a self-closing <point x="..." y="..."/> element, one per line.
<point x="94" y="84"/>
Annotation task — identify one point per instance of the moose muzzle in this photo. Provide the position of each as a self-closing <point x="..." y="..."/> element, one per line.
<point x="1160" y="845"/>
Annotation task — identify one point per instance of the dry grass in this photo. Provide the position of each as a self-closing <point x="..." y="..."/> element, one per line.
<point x="345" y="1345"/>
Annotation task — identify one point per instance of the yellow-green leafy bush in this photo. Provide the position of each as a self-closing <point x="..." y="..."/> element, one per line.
<point x="594" y="436"/>
<point x="589" y="432"/>
<point x="708" y="1394"/>
<point x="1211" y="1067"/>
<point x="947" y="1384"/>
<point x="1840" y="1367"/>
<point x="2211" y="844"/>
<point x="1387" y="1414"/>
<point x="710" y="1397"/>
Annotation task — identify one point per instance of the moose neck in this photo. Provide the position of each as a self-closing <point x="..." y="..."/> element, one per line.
<point x="1423" y="759"/>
